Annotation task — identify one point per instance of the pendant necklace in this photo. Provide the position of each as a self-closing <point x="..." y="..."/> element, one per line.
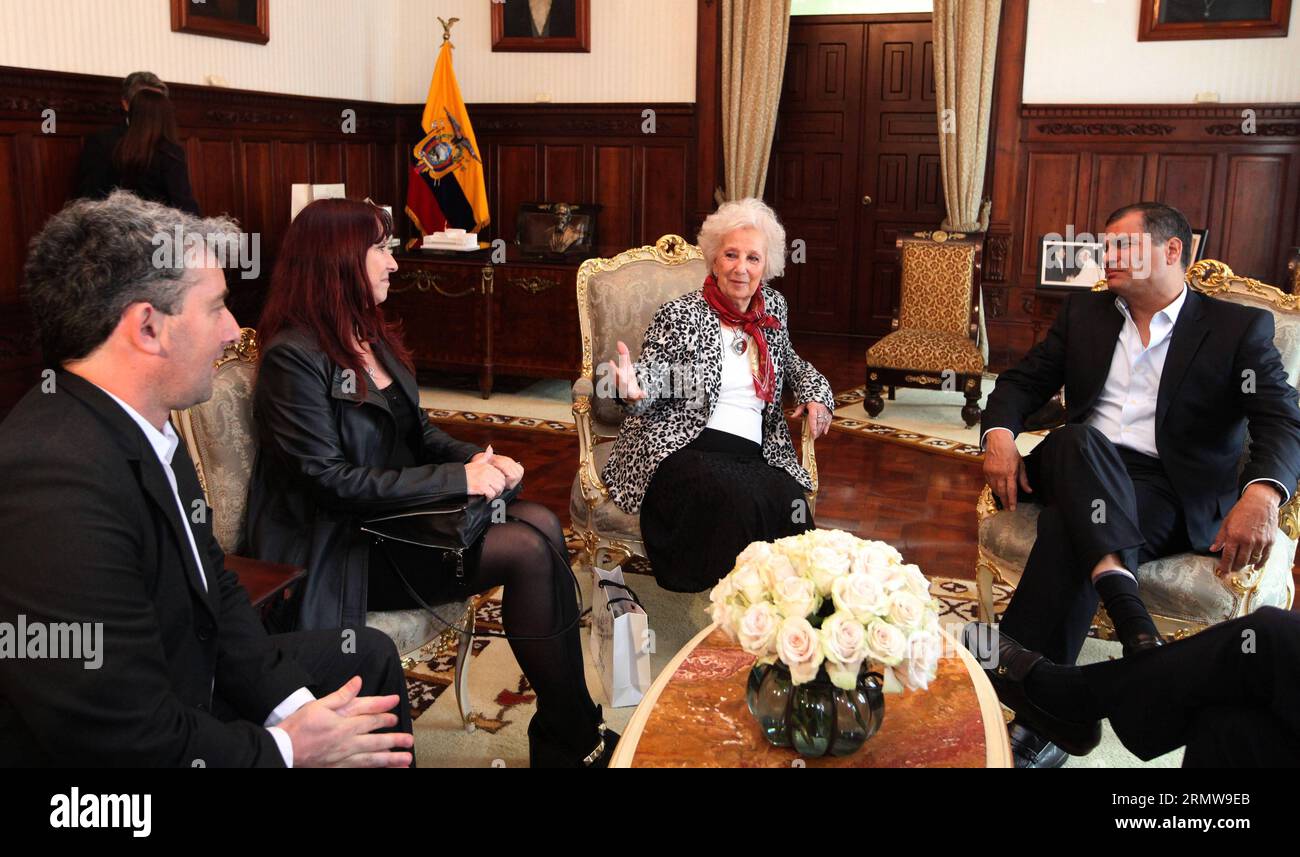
<point x="739" y="343"/>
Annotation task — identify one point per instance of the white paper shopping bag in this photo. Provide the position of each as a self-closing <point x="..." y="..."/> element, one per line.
<point x="620" y="639"/>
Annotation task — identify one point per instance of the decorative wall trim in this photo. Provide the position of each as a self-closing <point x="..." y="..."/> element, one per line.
<point x="1271" y="129"/>
<point x="1157" y="111"/>
<point x="1107" y="129"/>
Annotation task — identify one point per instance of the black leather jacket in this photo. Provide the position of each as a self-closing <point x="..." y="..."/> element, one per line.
<point x="320" y="470"/>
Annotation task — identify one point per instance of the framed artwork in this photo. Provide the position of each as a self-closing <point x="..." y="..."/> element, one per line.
<point x="556" y="229"/>
<point x="1198" y="245"/>
<point x="1213" y="19"/>
<point x="1070" y="264"/>
<point x="542" y="25"/>
<point x="242" y="20"/>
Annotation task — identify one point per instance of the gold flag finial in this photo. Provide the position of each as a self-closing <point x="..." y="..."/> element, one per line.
<point x="446" y="28"/>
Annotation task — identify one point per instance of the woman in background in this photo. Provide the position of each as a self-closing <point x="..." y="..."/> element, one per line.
<point x="144" y="156"/>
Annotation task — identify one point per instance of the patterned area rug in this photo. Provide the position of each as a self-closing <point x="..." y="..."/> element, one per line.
<point x="924" y="419"/>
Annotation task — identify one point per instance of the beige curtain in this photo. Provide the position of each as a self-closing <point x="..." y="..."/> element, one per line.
<point x="965" y="53"/>
<point x="754" y="38"/>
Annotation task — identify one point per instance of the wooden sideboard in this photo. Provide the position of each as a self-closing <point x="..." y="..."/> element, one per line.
<point x="463" y="313"/>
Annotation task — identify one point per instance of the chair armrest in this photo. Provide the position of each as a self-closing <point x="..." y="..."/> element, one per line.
<point x="593" y="487"/>
<point x="582" y="389"/>
<point x="809" y="454"/>
<point x="263" y="580"/>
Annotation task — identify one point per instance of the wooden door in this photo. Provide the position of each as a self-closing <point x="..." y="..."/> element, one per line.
<point x="813" y="174"/>
<point x="855" y="161"/>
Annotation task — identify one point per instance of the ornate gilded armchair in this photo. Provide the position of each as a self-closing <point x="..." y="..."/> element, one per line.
<point x="221" y="440"/>
<point x="1182" y="591"/>
<point x="935" y="340"/>
<point x="616" y="299"/>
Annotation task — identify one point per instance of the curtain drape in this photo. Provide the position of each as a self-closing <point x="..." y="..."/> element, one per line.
<point x="965" y="51"/>
<point x="755" y="34"/>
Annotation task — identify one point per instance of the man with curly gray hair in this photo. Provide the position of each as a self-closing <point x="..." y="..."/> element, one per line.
<point x="107" y="529"/>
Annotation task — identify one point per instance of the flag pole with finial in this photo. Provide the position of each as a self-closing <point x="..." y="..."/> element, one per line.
<point x="446" y="28"/>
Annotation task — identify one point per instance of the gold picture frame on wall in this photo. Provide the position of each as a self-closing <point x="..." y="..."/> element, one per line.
<point x="242" y="20"/>
<point x="1164" y="20"/>
<point x="560" y="26"/>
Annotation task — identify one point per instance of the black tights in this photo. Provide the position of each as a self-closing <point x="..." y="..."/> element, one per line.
<point x="538" y="600"/>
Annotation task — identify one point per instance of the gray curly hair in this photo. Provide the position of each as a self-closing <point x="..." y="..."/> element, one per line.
<point x="97" y="257"/>
<point x="747" y="213"/>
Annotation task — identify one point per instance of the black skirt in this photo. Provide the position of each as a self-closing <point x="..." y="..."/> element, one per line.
<point x="708" y="501"/>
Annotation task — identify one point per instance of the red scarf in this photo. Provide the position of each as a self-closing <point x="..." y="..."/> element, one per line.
<point x="752" y="323"/>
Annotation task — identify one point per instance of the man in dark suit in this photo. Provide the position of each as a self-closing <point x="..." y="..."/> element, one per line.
<point x="1160" y="383"/>
<point x="105" y="530"/>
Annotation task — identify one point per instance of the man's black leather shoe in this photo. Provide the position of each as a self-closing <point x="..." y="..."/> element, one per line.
<point x="1143" y="643"/>
<point x="1032" y="750"/>
<point x="1007" y="671"/>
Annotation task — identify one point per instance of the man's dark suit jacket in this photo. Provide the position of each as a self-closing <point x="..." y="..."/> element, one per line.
<point x="90" y="532"/>
<point x="1221" y="371"/>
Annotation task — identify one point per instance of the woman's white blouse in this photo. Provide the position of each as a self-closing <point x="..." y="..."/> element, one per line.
<point x="739" y="410"/>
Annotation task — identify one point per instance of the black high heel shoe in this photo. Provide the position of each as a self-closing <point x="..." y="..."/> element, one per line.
<point x="545" y="750"/>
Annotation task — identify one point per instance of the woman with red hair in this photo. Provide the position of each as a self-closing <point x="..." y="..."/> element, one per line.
<point x="342" y="438"/>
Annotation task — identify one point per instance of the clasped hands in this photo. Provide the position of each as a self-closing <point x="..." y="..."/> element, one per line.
<point x="489" y="474"/>
<point x="630" y="391"/>
<point x="1245" y="537"/>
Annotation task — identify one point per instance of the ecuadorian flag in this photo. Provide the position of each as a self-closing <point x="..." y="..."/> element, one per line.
<point x="446" y="187"/>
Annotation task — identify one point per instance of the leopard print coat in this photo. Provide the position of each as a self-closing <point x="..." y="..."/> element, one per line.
<point x="681" y="371"/>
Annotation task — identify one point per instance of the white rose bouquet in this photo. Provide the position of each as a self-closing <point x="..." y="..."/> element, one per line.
<point x="829" y="599"/>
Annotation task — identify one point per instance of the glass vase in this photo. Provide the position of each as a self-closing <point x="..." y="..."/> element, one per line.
<point x="815" y="718"/>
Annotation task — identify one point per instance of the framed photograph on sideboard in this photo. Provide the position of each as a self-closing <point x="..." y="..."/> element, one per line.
<point x="1070" y="264"/>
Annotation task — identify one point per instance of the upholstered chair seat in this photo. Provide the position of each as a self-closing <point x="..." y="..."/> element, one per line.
<point x="934" y="343"/>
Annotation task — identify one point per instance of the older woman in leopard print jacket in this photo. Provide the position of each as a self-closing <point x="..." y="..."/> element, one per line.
<point x="705" y="454"/>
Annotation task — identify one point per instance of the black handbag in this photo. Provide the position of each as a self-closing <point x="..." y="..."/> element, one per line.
<point x="452" y="527"/>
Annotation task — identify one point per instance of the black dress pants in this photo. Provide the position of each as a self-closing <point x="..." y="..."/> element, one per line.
<point x="332" y="657"/>
<point x="1097" y="499"/>
<point x="1231" y="694"/>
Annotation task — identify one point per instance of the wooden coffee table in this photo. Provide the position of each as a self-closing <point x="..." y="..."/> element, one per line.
<point x="694" y="715"/>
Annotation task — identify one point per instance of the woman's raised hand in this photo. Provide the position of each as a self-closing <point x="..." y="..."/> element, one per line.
<point x="625" y="376"/>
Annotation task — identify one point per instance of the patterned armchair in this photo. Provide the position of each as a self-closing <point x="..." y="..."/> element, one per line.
<point x="616" y="299"/>
<point x="934" y="343"/>
<point x="220" y="437"/>
<point x="1182" y="591"/>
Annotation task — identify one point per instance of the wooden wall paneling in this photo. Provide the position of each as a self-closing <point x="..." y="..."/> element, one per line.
<point x="217" y="164"/>
<point x="663" y="191"/>
<point x="55" y="158"/>
<point x="612" y="172"/>
<point x="1052" y="185"/>
<point x="707" y="168"/>
<point x="327" y="164"/>
<point x="259" y="188"/>
<point x="1186" y="181"/>
<point x="386" y="161"/>
<point x="518" y="179"/>
<point x="562" y="178"/>
<point x="1117" y="180"/>
<point x="1002" y="244"/>
<point x="358" y="170"/>
<point x="1251" y="236"/>
<point x="292" y="166"/>
<point x="11" y="231"/>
